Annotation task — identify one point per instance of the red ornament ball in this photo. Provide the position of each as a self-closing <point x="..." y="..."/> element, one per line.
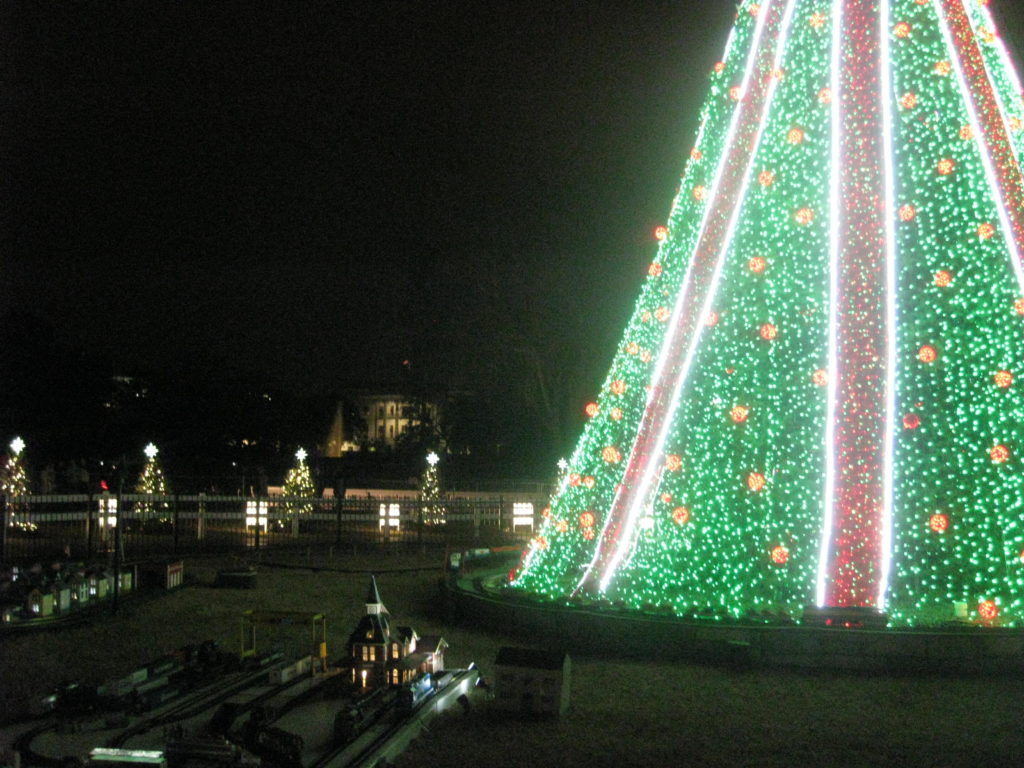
<point x="588" y="534"/>
<point x="1018" y="306"/>
<point x="755" y="481"/>
<point x="739" y="413"/>
<point x="986" y="231"/>
<point x="666" y="498"/>
<point x="662" y="314"/>
<point x="769" y="332"/>
<point x="561" y="526"/>
<point x="927" y="354"/>
<point x="780" y="555"/>
<point x="592" y="409"/>
<point x="681" y="515"/>
<point x="967" y="133"/>
<point x="712" y="320"/>
<point x="673" y="462"/>
<point x="611" y="454"/>
<point x="587" y="520"/>
<point x="988" y="610"/>
<point x="766" y="178"/>
<point x="574" y="480"/>
<point x="902" y="30"/>
<point x="795" y="136"/>
<point x="945" y="167"/>
<point x="908" y="100"/>
<point x="907" y="212"/>
<point x="911" y="421"/>
<point x="804" y="216"/>
<point x="943" y="279"/>
<point x="615" y="413"/>
<point x="1004" y="379"/>
<point x="938" y="522"/>
<point x="618" y="387"/>
<point x="661" y="233"/>
<point x="757" y="264"/>
<point x="589" y="481"/>
<point x="1000" y="454"/>
<point x="825" y="96"/>
<point x="820" y="377"/>
<point x="655" y="269"/>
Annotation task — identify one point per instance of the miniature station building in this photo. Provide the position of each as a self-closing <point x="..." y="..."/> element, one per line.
<point x="382" y="655"/>
<point x="531" y="682"/>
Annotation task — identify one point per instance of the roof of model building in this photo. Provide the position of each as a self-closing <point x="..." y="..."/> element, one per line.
<point x="431" y="644"/>
<point x="373" y="595"/>
<point x="372" y="628"/>
<point x="529" y="657"/>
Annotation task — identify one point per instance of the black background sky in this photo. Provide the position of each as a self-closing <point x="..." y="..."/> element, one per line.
<point x="317" y="192"/>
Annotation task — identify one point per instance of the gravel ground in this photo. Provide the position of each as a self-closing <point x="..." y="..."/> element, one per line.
<point x="622" y="712"/>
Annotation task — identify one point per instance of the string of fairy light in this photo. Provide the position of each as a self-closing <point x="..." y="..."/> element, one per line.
<point x="732" y="510"/>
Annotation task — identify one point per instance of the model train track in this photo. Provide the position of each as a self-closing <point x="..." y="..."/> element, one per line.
<point x="204" y="701"/>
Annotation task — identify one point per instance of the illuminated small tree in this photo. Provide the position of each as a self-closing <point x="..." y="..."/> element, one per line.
<point x="430" y="492"/>
<point x="298" y="487"/>
<point x="152" y="482"/>
<point x="14" y="484"/>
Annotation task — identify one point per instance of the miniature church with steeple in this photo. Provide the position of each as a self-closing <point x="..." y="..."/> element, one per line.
<point x="382" y="655"/>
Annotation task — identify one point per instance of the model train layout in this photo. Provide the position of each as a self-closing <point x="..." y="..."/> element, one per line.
<point x="201" y="707"/>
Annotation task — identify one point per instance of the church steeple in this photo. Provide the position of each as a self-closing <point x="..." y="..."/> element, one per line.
<point x="374" y="605"/>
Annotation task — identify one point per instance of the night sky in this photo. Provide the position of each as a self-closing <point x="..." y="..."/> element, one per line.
<point x="316" y="193"/>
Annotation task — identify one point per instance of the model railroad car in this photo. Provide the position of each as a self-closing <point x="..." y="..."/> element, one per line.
<point x="354" y="718"/>
<point x="413" y="692"/>
<point x="276" y="746"/>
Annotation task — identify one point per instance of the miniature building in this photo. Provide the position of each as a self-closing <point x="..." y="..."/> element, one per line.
<point x="61" y="596"/>
<point x="39" y="603"/>
<point x="79" y="590"/>
<point x="382" y="655"/>
<point x="531" y="682"/>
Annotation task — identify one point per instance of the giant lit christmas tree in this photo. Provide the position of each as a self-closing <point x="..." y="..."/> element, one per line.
<point x="818" y="397"/>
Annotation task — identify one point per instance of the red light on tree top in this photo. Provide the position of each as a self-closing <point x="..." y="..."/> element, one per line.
<point x="938" y="522"/>
<point x="780" y="555"/>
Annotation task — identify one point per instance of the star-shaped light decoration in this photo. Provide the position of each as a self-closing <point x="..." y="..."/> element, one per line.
<point x="17" y="445"/>
<point x="301" y="454"/>
<point x="150" y="451"/>
<point x="433" y="458"/>
<point x="563" y="464"/>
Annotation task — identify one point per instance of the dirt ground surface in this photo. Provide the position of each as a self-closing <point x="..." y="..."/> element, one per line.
<point x="622" y="712"/>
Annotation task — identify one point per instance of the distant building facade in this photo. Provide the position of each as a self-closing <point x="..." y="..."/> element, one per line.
<point x="377" y="419"/>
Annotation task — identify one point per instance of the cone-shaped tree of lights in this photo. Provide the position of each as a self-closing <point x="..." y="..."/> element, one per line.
<point x="430" y="492"/>
<point x="298" y="486"/>
<point x="152" y="482"/>
<point x="14" y="484"/>
<point x="819" y="398"/>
